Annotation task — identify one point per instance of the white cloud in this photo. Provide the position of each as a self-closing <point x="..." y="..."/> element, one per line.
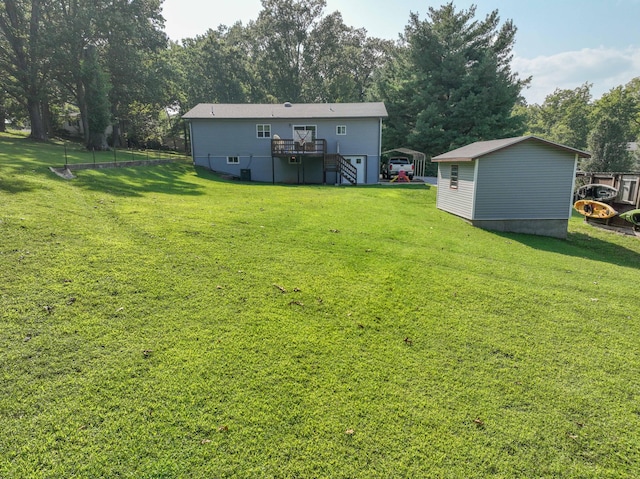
<point x="604" y="68"/>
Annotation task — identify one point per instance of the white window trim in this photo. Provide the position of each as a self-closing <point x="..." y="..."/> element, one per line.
<point x="233" y="160"/>
<point x="341" y="127"/>
<point x="453" y="184"/>
<point x="263" y="125"/>
<point x="313" y="128"/>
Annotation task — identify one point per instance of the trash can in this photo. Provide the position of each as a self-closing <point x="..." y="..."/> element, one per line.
<point x="245" y="174"/>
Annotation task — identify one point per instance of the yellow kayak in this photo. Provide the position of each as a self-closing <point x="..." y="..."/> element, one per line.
<point x="594" y="209"/>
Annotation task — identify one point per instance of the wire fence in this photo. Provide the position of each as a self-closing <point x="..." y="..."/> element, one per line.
<point x="75" y="156"/>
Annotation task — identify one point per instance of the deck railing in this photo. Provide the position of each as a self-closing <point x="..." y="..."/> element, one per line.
<point x="280" y="147"/>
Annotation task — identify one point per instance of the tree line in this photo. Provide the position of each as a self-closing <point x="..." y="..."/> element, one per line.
<point x="447" y="81"/>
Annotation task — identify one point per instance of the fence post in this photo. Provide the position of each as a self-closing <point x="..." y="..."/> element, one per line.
<point x="93" y="150"/>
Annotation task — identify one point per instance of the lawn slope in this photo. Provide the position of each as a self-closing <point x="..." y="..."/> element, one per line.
<point x="161" y="322"/>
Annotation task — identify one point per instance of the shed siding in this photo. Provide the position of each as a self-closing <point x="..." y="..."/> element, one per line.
<point x="213" y="140"/>
<point x="457" y="201"/>
<point x="525" y="181"/>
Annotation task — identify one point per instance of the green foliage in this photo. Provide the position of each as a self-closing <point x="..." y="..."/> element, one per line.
<point x="611" y="132"/>
<point x="564" y="117"/>
<point x="96" y="90"/>
<point x="145" y="333"/>
<point x="455" y="85"/>
<point x="25" y="57"/>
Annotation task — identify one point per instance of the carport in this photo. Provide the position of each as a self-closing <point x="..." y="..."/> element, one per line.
<point x="419" y="159"/>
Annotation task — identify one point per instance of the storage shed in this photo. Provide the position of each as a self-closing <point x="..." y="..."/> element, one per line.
<point x="521" y="185"/>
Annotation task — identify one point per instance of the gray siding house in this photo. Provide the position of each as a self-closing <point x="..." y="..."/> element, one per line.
<point x="289" y="143"/>
<point x="521" y="185"/>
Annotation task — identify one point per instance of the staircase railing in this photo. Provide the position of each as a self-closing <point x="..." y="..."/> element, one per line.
<point x="347" y="170"/>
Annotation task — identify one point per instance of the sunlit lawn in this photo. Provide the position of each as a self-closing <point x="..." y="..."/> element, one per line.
<point x="160" y="322"/>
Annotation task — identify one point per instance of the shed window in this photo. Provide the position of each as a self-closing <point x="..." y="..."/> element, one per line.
<point x="453" y="178"/>
<point x="233" y="160"/>
<point x="341" y="130"/>
<point x="263" y="131"/>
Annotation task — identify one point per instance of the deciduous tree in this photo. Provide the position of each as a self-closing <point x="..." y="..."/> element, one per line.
<point x="612" y="117"/>
<point x="24" y="58"/>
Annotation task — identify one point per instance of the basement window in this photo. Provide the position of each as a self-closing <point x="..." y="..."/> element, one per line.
<point x="233" y="160"/>
<point x="263" y="131"/>
<point x="453" y="177"/>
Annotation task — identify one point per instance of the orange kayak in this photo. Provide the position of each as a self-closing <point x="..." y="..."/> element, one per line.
<point x="594" y="209"/>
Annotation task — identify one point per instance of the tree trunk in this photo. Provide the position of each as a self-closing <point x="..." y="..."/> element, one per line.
<point x="84" y="112"/>
<point x="3" y="117"/>
<point x="97" y="141"/>
<point x="46" y="119"/>
<point x="116" y="140"/>
<point x="35" y="117"/>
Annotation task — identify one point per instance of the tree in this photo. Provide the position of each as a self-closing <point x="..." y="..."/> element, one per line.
<point x="613" y="116"/>
<point x="133" y="37"/>
<point x="124" y="37"/>
<point x="454" y="82"/>
<point x="340" y="61"/>
<point x="564" y="117"/>
<point x="23" y="56"/>
<point x="282" y="33"/>
<point x="96" y="88"/>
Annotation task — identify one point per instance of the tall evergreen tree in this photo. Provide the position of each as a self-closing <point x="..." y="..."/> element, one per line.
<point x="453" y="83"/>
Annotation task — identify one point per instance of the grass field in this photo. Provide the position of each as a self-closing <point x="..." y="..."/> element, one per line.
<point x="160" y="322"/>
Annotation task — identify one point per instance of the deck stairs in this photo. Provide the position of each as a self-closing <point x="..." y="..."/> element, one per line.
<point x="338" y="163"/>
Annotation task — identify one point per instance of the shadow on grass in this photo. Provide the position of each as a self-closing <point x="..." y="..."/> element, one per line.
<point x="134" y="181"/>
<point x="14" y="185"/>
<point x="580" y="245"/>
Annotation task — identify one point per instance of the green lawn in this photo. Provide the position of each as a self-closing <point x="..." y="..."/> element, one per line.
<point x="160" y="322"/>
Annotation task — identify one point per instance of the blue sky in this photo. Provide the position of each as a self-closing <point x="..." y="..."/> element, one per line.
<point x="561" y="43"/>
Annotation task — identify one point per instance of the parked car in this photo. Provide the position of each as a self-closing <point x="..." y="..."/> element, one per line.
<point x="395" y="165"/>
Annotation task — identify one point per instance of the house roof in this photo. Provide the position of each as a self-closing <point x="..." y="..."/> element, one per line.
<point x="286" y="111"/>
<point x="481" y="148"/>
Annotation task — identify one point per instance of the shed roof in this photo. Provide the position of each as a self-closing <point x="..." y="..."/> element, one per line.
<point x="481" y="148"/>
<point x="286" y="111"/>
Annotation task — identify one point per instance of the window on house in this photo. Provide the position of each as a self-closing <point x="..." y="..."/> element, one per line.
<point x="233" y="160"/>
<point x="306" y="133"/>
<point x="263" y="131"/>
<point x="453" y="177"/>
<point x="341" y="130"/>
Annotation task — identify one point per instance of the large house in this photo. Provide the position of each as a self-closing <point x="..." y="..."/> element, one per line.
<point x="523" y="184"/>
<point x="289" y="143"/>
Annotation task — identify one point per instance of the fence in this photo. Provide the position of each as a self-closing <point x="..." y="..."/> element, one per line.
<point x="75" y="158"/>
